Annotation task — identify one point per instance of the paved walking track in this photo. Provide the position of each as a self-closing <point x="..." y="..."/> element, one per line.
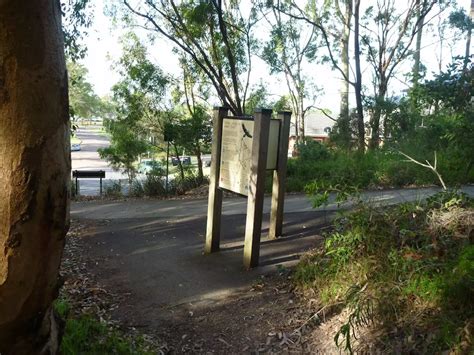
<point x="152" y="249"/>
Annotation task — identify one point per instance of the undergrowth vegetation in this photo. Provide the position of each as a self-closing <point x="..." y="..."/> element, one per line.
<point x="85" y="334"/>
<point x="321" y="167"/>
<point x="405" y="271"/>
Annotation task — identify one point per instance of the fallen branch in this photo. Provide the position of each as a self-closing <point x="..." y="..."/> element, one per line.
<point x="428" y="166"/>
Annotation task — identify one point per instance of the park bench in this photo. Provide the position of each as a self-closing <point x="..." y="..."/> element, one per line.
<point x="88" y="174"/>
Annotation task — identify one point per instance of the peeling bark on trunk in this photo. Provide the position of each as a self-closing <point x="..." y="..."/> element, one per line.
<point x="34" y="173"/>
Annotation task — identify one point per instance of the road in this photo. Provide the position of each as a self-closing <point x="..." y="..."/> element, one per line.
<point x="88" y="159"/>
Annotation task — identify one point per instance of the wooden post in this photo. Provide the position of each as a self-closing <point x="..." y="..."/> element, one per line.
<point x="253" y="227"/>
<point x="214" y="208"/>
<point x="279" y="177"/>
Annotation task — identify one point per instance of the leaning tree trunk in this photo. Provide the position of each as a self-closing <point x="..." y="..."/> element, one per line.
<point x="34" y="173"/>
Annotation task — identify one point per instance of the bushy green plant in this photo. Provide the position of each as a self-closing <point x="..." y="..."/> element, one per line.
<point x="154" y="185"/>
<point x="191" y="180"/>
<point x="136" y="189"/>
<point x="387" y="265"/>
<point x="113" y="190"/>
<point x="86" y="335"/>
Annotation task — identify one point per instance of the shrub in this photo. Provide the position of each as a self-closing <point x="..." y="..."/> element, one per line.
<point x="408" y="267"/>
<point x="136" y="189"/>
<point x="191" y="180"/>
<point x="85" y="335"/>
<point x="154" y="185"/>
<point x="113" y="190"/>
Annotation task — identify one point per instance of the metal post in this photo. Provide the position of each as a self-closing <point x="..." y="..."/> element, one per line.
<point x="100" y="186"/>
<point x="253" y="227"/>
<point x="279" y="177"/>
<point x="214" y="208"/>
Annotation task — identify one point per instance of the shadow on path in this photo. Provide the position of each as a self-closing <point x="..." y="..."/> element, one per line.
<point x="160" y="263"/>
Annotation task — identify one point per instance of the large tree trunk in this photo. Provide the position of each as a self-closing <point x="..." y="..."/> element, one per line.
<point x="34" y="173"/>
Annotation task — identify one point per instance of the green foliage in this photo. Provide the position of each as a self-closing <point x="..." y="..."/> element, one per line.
<point x="179" y="185"/>
<point x="258" y="98"/>
<point x="408" y="267"/>
<point x="124" y="150"/>
<point x="83" y="101"/>
<point x="114" y="190"/>
<point x="319" y="168"/>
<point x="136" y="189"/>
<point x="154" y="185"/>
<point x="85" y="335"/>
<point x="77" y="18"/>
<point x="205" y="32"/>
<point x="193" y="131"/>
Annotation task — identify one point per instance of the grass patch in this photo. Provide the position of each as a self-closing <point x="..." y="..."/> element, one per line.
<point x="86" y="335"/>
<point x="408" y="270"/>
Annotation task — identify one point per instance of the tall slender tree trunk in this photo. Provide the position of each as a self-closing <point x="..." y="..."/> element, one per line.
<point x="180" y="163"/>
<point x="358" y="80"/>
<point x="375" y="120"/>
<point x="468" y="38"/>
<point x="417" y="54"/>
<point x="34" y="173"/>
<point x="302" y="114"/>
<point x="344" y="90"/>
<point x="199" y="161"/>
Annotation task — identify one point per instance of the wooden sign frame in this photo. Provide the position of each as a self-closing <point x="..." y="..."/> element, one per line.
<point x="256" y="185"/>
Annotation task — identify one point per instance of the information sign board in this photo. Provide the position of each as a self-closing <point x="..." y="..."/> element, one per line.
<point x="236" y="153"/>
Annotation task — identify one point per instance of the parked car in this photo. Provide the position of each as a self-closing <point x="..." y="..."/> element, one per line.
<point x="185" y="160"/>
<point x="148" y="165"/>
<point x="75" y="147"/>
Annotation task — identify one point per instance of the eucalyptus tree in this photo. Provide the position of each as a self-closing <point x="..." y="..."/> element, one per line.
<point x="389" y="32"/>
<point x="192" y="126"/>
<point x="464" y="22"/>
<point x="83" y="101"/>
<point x="290" y="46"/>
<point x="318" y="14"/>
<point x="34" y="173"/>
<point x="77" y="16"/>
<point x="216" y="35"/>
<point x="138" y="100"/>
<point x="335" y="17"/>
